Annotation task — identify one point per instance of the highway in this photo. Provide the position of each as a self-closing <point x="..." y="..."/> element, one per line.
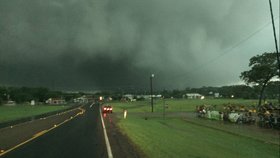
<point x="81" y="137"/>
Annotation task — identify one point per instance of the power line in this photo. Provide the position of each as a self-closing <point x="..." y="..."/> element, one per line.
<point x="229" y="50"/>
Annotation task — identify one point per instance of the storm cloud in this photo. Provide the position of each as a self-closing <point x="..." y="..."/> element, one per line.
<point x="95" y="44"/>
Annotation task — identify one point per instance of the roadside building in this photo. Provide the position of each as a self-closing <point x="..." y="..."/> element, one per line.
<point x="193" y="96"/>
<point x="130" y="97"/>
<point x="55" y="101"/>
<point x="82" y="99"/>
<point x="143" y="97"/>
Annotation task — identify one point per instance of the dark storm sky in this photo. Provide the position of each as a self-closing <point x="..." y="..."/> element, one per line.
<point x="93" y="44"/>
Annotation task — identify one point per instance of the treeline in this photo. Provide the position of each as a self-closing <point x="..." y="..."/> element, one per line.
<point x="26" y="94"/>
<point x="236" y="91"/>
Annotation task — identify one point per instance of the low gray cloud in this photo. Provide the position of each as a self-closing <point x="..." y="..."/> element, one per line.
<point x="92" y="44"/>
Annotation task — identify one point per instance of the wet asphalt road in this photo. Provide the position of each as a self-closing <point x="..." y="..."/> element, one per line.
<point x="81" y="137"/>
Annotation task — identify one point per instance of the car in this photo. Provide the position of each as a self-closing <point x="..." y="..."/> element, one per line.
<point x="107" y="109"/>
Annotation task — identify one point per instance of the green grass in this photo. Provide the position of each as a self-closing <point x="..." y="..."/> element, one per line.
<point x="177" y="137"/>
<point x="262" y="135"/>
<point x="9" y="113"/>
<point x="177" y="105"/>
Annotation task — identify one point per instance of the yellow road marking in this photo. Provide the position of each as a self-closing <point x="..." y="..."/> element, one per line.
<point x="40" y="133"/>
<point x="3" y="152"/>
<point x="80" y="108"/>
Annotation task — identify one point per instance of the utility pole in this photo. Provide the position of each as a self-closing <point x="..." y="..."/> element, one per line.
<point x="151" y="85"/>
<point x="164" y="106"/>
<point x="276" y="47"/>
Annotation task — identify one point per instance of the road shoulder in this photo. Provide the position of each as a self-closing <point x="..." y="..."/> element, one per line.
<point x="122" y="146"/>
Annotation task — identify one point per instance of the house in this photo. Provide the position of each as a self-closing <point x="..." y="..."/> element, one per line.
<point x="82" y="99"/>
<point x="193" y="96"/>
<point x="128" y="96"/>
<point x="55" y="101"/>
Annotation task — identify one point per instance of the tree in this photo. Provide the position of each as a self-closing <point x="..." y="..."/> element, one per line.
<point x="271" y="89"/>
<point x="177" y="94"/>
<point x="40" y="93"/>
<point x="263" y="69"/>
<point x="166" y="94"/>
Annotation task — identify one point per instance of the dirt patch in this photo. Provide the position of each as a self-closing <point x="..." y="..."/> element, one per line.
<point x="122" y="146"/>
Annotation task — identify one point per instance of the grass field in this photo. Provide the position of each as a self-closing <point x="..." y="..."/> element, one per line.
<point x="8" y="113"/>
<point x="174" y="105"/>
<point x="180" y="137"/>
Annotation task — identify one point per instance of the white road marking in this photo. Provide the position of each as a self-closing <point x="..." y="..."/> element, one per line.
<point x="109" y="151"/>
<point x="91" y="105"/>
